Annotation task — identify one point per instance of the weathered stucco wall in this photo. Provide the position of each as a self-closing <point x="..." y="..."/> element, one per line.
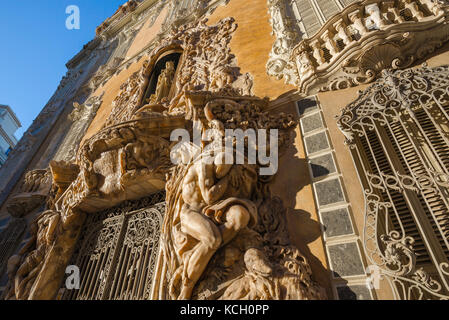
<point x="252" y="43"/>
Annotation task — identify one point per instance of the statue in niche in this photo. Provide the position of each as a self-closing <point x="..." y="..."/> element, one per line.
<point x="164" y="83"/>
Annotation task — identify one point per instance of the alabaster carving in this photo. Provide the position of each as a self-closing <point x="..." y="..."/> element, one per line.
<point x="287" y="35"/>
<point x="224" y="235"/>
<point x="26" y="265"/>
<point x="123" y="10"/>
<point x="31" y="195"/>
<point x="10" y="238"/>
<point x="81" y="117"/>
<point x="164" y="83"/>
<point x="355" y="45"/>
<point x="182" y="12"/>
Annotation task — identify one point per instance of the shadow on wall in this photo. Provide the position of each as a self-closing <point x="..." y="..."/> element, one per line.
<point x="304" y="227"/>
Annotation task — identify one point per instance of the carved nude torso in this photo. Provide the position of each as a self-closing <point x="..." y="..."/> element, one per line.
<point x="211" y="187"/>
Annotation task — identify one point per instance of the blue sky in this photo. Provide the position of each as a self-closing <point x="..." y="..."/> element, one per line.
<point x="36" y="46"/>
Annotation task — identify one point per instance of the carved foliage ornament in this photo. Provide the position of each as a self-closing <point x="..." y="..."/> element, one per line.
<point x="354" y="46"/>
<point x="32" y="193"/>
<point x="130" y="158"/>
<point x="207" y="64"/>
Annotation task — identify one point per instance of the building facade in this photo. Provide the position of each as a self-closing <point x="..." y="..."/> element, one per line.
<point x="352" y="95"/>
<point x="8" y="127"/>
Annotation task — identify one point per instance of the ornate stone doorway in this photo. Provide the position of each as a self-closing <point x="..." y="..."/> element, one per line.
<point x="118" y="250"/>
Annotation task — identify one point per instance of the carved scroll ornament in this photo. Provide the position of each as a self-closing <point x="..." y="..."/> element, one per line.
<point x="207" y="64"/>
<point x="355" y="45"/>
<point x="247" y="255"/>
<point x="243" y="250"/>
<point x="406" y="110"/>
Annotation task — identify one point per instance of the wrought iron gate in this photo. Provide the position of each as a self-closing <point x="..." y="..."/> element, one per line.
<point x="118" y="250"/>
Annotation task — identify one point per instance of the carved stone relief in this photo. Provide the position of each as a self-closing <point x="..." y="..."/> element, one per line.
<point x="224" y="234"/>
<point x="355" y="45"/>
<point x="206" y="64"/>
<point x="246" y="254"/>
<point x="81" y="117"/>
<point x="31" y="195"/>
<point x="406" y="111"/>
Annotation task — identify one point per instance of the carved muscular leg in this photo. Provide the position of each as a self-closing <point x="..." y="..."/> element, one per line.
<point x="207" y="233"/>
<point x="237" y="218"/>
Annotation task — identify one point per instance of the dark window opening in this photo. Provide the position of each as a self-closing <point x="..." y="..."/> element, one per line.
<point x="157" y="70"/>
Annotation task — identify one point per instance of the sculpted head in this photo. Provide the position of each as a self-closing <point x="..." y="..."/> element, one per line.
<point x="184" y="153"/>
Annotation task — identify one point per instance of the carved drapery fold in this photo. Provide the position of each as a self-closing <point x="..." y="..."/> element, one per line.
<point x="130" y="159"/>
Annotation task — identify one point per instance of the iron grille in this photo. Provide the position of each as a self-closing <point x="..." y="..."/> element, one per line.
<point x="118" y="250"/>
<point x="398" y="132"/>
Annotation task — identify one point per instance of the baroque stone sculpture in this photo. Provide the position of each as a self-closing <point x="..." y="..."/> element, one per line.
<point x="224" y="235"/>
<point x="164" y="83"/>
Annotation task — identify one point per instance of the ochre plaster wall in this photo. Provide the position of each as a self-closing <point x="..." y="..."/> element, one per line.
<point x="111" y="89"/>
<point x="146" y="34"/>
<point x="252" y="43"/>
<point x="293" y="185"/>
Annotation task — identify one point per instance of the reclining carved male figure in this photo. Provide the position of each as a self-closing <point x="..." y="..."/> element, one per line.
<point x="215" y="208"/>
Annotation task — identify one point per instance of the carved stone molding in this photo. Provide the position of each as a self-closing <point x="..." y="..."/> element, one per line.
<point x="130" y="158"/>
<point x="182" y="12"/>
<point x="253" y="263"/>
<point x="194" y="12"/>
<point x="81" y="117"/>
<point x="207" y="64"/>
<point x="287" y="35"/>
<point x="354" y="46"/>
<point x="32" y="193"/>
<point x="261" y="253"/>
<point x="122" y="11"/>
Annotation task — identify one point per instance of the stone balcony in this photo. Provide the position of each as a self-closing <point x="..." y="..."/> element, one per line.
<point x="354" y="46"/>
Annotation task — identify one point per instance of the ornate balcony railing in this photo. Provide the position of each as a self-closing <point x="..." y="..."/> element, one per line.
<point x="354" y="46"/>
